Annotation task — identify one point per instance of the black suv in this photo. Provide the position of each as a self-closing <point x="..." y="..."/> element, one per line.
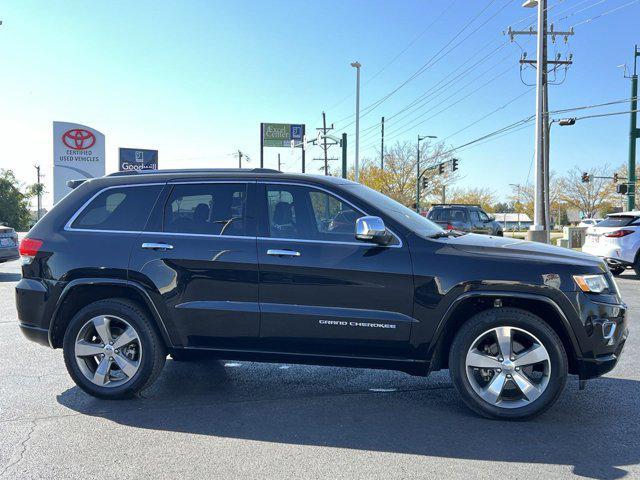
<point x="464" y="218"/>
<point x="266" y="266"/>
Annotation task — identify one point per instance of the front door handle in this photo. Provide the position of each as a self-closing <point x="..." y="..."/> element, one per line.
<point x="283" y="253"/>
<point x="157" y="246"/>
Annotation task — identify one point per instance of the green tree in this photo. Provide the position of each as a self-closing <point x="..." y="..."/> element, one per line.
<point x="14" y="204"/>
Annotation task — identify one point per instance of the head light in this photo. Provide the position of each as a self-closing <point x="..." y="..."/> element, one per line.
<point x="592" y="283"/>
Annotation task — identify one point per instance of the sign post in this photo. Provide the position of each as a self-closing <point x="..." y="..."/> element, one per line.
<point x="78" y="153"/>
<point x="282" y="135"/>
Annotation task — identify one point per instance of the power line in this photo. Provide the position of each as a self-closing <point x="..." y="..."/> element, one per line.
<point x="429" y="63"/>
<point x="439" y="87"/>
<point x="390" y="62"/>
<point x="608" y="12"/>
<point x="411" y="125"/>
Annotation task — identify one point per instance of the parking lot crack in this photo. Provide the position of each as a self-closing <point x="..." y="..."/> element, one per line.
<point x="23" y="449"/>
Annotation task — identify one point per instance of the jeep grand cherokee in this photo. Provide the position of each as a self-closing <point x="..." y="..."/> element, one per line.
<point x="266" y="266"/>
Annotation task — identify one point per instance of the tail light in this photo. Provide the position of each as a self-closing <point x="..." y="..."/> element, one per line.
<point x="450" y="227"/>
<point x="619" y="233"/>
<point x="29" y="247"/>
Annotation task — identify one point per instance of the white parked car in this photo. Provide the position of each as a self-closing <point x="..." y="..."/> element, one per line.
<point x="617" y="240"/>
<point x="589" y="222"/>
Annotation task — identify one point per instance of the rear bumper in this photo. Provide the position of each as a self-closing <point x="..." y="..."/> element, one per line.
<point x="617" y="262"/>
<point x="35" y="334"/>
<point x="8" y="254"/>
<point x="32" y="298"/>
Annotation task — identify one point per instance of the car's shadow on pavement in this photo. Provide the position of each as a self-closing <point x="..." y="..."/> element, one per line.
<point x="595" y="432"/>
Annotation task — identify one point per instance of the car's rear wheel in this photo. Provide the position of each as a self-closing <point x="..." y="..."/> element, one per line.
<point x="112" y="350"/>
<point x="507" y="363"/>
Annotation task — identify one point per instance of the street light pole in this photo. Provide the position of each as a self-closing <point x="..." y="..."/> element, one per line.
<point x="634" y="134"/>
<point x="357" y="66"/>
<point x="517" y="186"/>
<point x="418" y="171"/>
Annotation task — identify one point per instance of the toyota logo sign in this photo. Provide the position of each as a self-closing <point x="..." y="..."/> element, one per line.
<point x="78" y="139"/>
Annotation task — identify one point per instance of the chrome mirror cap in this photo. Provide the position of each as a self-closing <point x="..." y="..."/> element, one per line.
<point x="372" y="229"/>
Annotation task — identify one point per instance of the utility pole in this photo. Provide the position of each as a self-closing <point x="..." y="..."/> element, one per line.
<point x="240" y="154"/>
<point x="325" y="146"/>
<point x="382" y="145"/>
<point x="343" y="144"/>
<point x="444" y="193"/>
<point x="279" y="164"/>
<point x="39" y="191"/>
<point x="539" y="231"/>
<point x="357" y="66"/>
<point x="634" y="133"/>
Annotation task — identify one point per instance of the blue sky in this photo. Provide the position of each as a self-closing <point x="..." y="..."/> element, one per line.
<point x="195" y="78"/>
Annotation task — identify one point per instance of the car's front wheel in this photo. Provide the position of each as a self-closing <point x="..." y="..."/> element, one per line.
<point x="112" y="350"/>
<point x="507" y="363"/>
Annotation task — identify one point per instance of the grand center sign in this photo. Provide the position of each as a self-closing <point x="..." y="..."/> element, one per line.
<point x="78" y="153"/>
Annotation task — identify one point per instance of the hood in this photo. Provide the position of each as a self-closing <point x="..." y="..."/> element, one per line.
<point x="523" y="250"/>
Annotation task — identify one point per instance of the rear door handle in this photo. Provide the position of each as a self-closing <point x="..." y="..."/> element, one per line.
<point x="283" y="253"/>
<point x="157" y="246"/>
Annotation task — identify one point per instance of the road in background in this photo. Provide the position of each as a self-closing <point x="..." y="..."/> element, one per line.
<point x="217" y="419"/>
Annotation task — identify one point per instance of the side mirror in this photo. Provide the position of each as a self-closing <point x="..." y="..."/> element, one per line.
<point x="372" y="229"/>
<point x="491" y="219"/>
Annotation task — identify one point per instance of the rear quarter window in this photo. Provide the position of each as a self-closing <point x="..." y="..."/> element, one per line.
<point x="118" y="209"/>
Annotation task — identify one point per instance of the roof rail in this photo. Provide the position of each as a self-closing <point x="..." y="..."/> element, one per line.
<point x="193" y="170"/>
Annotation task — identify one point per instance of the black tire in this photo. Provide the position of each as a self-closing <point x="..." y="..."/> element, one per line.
<point x="499" y="233"/>
<point x="511" y="317"/>
<point x="636" y="264"/>
<point x="153" y="348"/>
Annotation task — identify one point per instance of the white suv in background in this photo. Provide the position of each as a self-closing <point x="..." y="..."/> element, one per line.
<point x="617" y="240"/>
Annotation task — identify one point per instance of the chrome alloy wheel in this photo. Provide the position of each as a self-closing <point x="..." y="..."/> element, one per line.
<point x="108" y="351"/>
<point x="508" y="367"/>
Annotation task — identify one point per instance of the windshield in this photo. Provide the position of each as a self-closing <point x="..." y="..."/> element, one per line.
<point x="398" y="212"/>
<point x="618" y="221"/>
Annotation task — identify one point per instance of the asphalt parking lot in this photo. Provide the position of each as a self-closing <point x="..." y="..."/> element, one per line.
<point x="217" y="419"/>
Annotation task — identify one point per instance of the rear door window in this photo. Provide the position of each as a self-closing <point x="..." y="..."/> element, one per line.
<point x="207" y="209"/>
<point x="119" y="209"/>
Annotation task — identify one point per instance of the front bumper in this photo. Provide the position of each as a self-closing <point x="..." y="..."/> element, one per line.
<point x="596" y="367"/>
<point x="605" y="334"/>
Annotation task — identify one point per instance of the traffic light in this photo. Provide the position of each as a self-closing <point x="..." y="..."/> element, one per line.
<point x="440" y="168"/>
<point x="585" y="177"/>
<point x="615" y="178"/>
<point x="454" y="164"/>
<point x="622" y="188"/>
<point x="424" y="182"/>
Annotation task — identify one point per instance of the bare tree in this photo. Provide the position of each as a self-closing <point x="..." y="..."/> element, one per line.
<point x="588" y="197"/>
